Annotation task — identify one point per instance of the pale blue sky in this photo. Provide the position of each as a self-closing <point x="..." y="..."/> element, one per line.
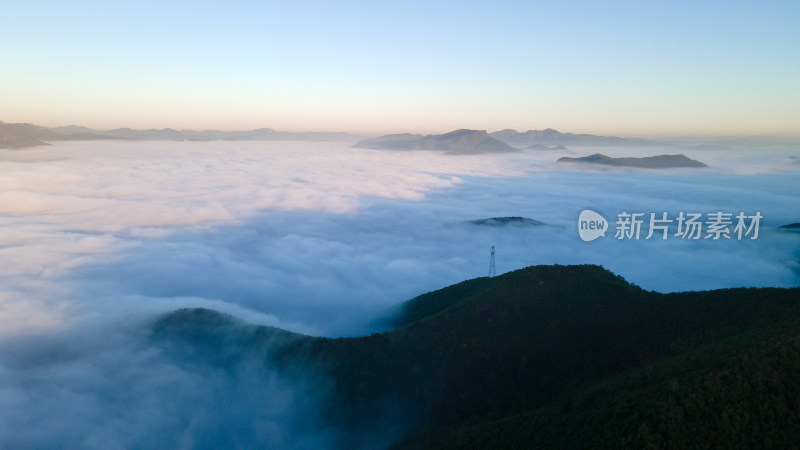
<point x="627" y="68"/>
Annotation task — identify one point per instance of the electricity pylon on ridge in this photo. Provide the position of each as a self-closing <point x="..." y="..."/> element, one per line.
<point x="492" y="270"/>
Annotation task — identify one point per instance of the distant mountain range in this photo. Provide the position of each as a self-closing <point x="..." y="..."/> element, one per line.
<point x="15" y="135"/>
<point x="543" y="357"/>
<point x="475" y="141"/>
<point x="455" y="142"/>
<point x="647" y="162"/>
<point x="552" y="137"/>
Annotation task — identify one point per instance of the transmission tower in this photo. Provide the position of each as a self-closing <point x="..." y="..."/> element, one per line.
<point x="492" y="271"/>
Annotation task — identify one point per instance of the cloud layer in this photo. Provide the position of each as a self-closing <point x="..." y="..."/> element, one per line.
<point x="321" y="238"/>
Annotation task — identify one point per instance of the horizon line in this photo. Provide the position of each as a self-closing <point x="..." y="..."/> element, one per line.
<point x="677" y="135"/>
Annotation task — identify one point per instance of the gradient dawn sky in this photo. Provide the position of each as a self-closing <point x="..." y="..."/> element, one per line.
<point x="605" y="67"/>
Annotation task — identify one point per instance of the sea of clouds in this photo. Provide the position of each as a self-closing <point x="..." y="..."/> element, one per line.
<point x="99" y="238"/>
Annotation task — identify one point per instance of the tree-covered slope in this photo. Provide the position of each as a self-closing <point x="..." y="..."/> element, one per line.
<point x="559" y="353"/>
<point x="740" y="392"/>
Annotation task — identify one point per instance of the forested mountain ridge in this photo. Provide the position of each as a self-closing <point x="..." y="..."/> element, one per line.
<point x="529" y="356"/>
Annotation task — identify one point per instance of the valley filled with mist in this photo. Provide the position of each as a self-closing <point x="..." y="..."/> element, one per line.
<point x="104" y="240"/>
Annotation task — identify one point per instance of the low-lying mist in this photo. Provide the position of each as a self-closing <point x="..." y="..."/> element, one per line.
<point x="100" y="238"/>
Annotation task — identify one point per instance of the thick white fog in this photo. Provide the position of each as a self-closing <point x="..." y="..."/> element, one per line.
<point x="97" y="238"/>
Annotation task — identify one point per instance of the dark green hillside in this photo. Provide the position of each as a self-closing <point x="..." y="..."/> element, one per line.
<point x="432" y="303"/>
<point x="741" y="392"/>
<point x="564" y="356"/>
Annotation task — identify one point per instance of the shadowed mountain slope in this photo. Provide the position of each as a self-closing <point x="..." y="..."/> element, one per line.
<point x="527" y="357"/>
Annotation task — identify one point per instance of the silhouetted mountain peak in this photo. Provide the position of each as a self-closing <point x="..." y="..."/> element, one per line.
<point x="461" y="141"/>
